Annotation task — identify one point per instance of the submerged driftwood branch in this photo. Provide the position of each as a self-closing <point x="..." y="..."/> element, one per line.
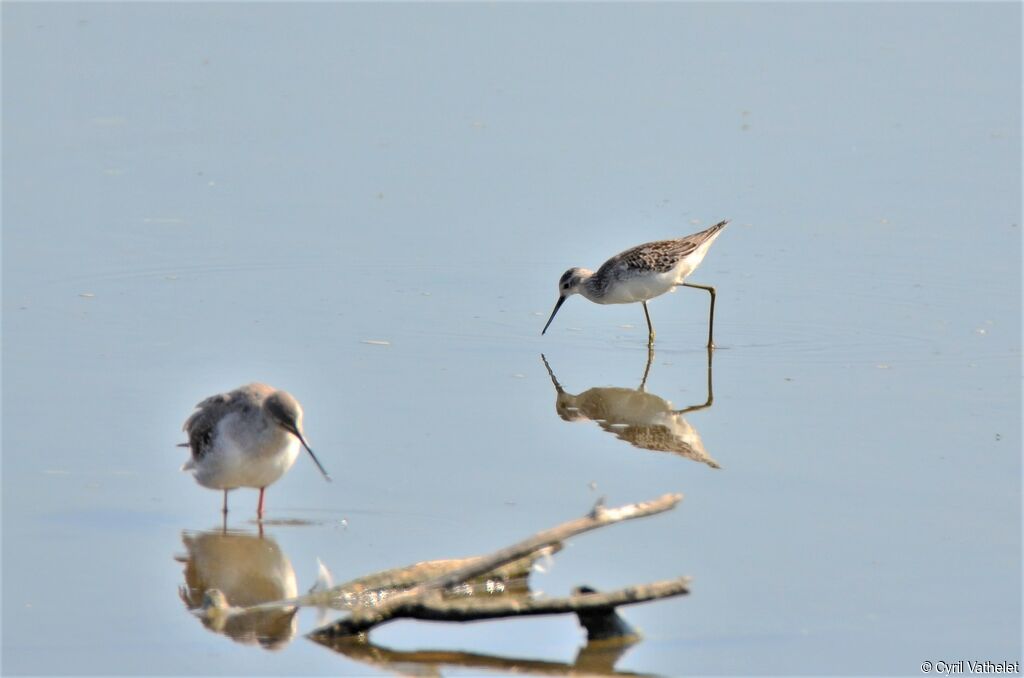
<point x="373" y="589"/>
<point x="391" y="582"/>
<point x="424" y="600"/>
<point x="594" y="607"/>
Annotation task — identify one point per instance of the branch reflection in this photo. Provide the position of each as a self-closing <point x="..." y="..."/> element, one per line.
<point x="596" y="658"/>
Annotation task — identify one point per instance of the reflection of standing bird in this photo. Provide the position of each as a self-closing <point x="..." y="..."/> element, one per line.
<point x="248" y="437"/>
<point x="642" y="273"/>
<point x="240" y="570"/>
<point x="639" y="418"/>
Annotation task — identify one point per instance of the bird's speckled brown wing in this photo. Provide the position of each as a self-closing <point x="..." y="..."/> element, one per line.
<point x="660" y="256"/>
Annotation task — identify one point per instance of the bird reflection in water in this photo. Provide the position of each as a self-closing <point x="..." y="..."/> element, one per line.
<point x="637" y="417"/>
<point x="239" y="570"/>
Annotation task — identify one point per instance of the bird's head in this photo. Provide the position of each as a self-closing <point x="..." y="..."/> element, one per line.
<point x="286" y="412"/>
<point x="568" y="285"/>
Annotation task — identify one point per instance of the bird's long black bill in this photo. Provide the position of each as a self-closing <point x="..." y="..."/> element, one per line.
<point x="315" y="460"/>
<point x="558" y="305"/>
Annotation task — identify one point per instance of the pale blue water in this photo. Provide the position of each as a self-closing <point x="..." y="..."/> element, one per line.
<point x="197" y="196"/>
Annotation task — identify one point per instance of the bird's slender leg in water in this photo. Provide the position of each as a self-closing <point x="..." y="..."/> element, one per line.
<point x="647" y="370"/>
<point x="711" y="315"/>
<point x="711" y="392"/>
<point x="650" y="327"/>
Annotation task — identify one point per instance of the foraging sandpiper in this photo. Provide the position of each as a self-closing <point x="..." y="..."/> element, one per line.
<point x="642" y="273"/>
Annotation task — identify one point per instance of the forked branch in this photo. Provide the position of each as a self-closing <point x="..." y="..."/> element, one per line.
<point x="424" y="600"/>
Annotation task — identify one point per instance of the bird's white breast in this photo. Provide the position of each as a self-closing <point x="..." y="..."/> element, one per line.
<point x="252" y="461"/>
<point x="641" y="287"/>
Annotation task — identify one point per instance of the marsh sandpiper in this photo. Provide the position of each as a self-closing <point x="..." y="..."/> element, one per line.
<point x="642" y="273"/>
<point x="248" y="437"/>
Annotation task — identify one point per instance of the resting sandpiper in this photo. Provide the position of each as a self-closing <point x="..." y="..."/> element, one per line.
<point x="248" y="437"/>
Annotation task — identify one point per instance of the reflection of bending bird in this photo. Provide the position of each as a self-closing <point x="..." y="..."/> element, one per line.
<point x="639" y="418"/>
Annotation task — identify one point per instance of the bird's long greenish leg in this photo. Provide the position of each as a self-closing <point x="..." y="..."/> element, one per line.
<point x="711" y="315"/>
<point x="711" y="391"/>
<point x="650" y="327"/>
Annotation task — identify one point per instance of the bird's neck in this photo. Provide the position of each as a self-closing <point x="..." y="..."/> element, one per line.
<point x="591" y="287"/>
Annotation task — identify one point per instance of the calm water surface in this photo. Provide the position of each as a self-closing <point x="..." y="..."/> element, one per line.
<point x="197" y="196"/>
